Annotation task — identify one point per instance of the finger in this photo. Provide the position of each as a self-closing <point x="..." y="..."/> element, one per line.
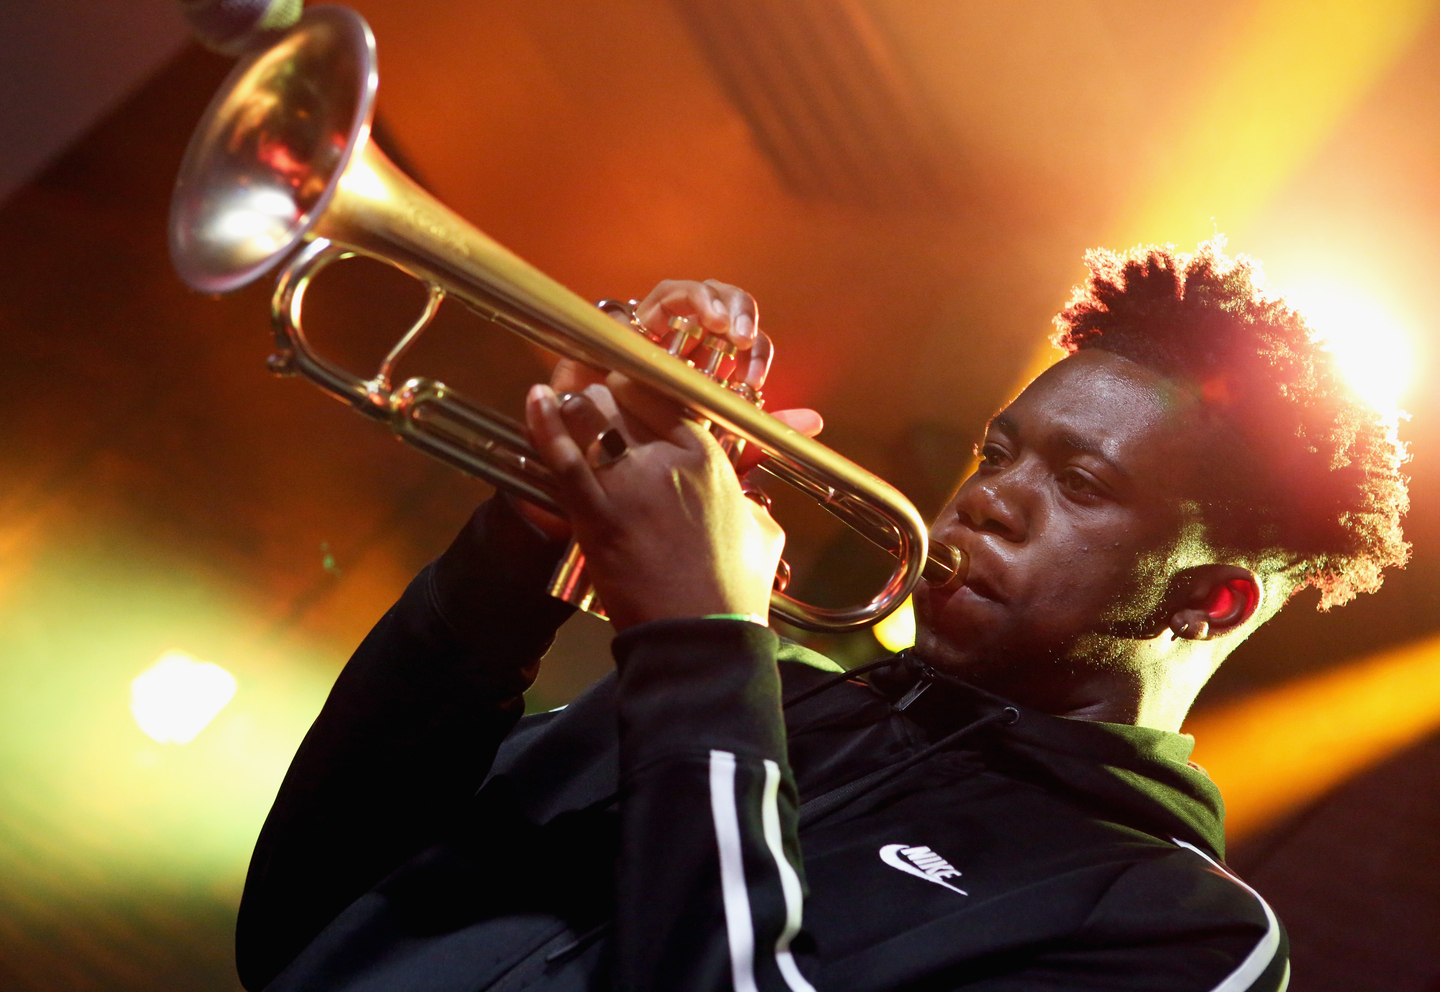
<point x="599" y="394"/>
<point x="756" y="361"/>
<point x="683" y="298"/>
<point x="743" y="310"/>
<point x="662" y="417"/>
<point x="579" y="489"/>
<point x="554" y="527"/>
<point x="634" y="431"/>
<point x="618" y="313"/>
<point x="571" y="376"/>
<point x="584" y="420"/>
<point x="591" y="415"/>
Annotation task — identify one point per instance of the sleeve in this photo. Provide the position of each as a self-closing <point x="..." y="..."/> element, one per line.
<point x="406" y="736"/>
<point x="709" y="886"/>
<point x="1179" y="923"/>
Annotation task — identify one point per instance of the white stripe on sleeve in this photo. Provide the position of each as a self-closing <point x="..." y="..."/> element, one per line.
<point x="789" y="881"/>
<point x="739" y="927"/>
<point x="1264" y="951"/>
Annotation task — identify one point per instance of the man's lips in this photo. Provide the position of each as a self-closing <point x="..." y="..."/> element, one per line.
<point x="976" y="580"/>
<point x="981" y="587"/>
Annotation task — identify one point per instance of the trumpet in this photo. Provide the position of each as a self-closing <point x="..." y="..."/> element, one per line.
<point x="281" y="160"/>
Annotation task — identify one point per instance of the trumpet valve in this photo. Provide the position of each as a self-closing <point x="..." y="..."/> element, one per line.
<point x="747" y="392"/>
<point x="715" y="348"/>
<point x="684" y="331"/>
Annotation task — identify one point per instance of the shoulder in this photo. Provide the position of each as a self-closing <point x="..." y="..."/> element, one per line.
<point x="1211" y="924"/>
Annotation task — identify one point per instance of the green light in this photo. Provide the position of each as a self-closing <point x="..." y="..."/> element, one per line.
<point x="80" y="765"/>
<point x="177" y="697"/>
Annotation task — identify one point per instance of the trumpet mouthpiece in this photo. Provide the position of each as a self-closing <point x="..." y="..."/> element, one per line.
<point x="945" y="566"/>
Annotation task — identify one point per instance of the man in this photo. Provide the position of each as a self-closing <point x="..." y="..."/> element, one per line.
<point x="1007" y="806"/>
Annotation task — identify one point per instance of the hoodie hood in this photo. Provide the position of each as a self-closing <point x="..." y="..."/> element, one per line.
<point x="1138" y="776"/>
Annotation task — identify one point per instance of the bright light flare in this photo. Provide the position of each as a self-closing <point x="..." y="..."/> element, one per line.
<point x="177" y="697"/>
<point x="252" y="224"/>
<point x="897" y="631"/>
<point x="1373" y="348"/>
<point x="362" y="180"/>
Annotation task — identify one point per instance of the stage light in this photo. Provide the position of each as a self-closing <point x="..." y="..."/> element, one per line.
<point x="1372" y="347"/>
<point x="177" y="697"/>
<point x="897" y="631"/>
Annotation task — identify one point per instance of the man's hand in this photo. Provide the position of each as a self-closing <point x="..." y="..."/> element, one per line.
<point x="720" y="309"/>
<point x="665" y="529"/>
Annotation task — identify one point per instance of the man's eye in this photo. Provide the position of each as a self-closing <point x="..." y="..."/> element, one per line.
<point x="990" y="454"/>
<point x="1077" y="481"/>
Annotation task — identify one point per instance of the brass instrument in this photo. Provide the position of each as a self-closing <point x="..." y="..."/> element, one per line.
<point x="282" y="159"/>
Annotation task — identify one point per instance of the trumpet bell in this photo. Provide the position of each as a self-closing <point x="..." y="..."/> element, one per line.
<point x="281" y="166"/>
<point x="261" y="165"/>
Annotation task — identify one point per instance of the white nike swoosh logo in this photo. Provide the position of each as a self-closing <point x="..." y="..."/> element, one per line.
<point x="890" y="854"/>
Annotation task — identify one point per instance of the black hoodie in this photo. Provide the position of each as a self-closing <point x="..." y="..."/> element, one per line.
<point x="678" y="827"/>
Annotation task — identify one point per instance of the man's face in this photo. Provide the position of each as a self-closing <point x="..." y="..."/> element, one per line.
<point x="1072" y="522"/>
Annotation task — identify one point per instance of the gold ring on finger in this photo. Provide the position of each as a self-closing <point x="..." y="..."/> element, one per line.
<point x="608" y="448"/>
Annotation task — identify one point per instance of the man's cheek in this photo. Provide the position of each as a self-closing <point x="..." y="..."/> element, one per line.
<point x="1062" y="610"/>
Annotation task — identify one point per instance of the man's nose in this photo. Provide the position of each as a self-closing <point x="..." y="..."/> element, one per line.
<point x="993" y="503"/>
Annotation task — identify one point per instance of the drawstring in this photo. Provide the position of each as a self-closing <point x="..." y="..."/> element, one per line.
<point x="845" y="676"/>
<point x="823" y="805"/>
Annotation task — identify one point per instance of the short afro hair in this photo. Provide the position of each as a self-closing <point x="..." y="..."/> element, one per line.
<point x="1309" y="474"/>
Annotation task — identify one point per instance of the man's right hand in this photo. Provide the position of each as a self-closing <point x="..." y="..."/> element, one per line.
<point x="666" y="530"/>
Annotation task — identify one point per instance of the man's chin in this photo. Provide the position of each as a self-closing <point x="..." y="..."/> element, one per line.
<point x="981" y="640"/>
<point x="959" y="615"/>
<point x="968" y="662"/>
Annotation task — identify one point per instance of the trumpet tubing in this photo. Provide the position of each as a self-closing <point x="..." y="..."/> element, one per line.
<point x="282" y="160"/>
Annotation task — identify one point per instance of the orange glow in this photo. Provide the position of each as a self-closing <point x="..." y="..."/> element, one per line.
<point x="1274" y="751"/>
<point x="1286" y="77"/>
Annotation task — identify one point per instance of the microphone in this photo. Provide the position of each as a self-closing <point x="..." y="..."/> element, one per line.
<point x="231" y="26"/>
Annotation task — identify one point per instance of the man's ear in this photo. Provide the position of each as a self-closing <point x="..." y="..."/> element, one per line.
<point x="1221" y="598"/>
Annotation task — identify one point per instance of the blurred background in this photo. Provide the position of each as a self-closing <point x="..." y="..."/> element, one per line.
<point x="190" y="548"/>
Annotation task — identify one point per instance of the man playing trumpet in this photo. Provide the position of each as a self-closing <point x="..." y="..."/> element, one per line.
<point x="1006" y="806"/>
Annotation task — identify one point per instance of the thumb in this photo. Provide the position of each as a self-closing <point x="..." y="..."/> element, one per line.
<point x="801" y="420"/>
